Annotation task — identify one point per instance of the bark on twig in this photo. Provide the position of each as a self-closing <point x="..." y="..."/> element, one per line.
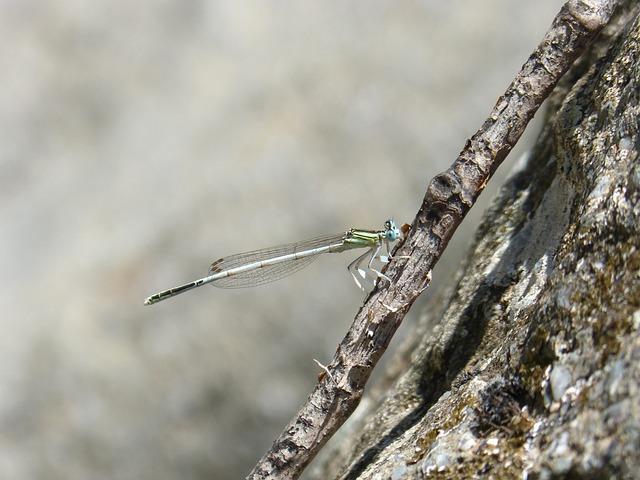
<point x="449" y="197"/>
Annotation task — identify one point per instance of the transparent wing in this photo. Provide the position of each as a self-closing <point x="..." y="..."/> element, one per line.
<point x="268" y="273"/>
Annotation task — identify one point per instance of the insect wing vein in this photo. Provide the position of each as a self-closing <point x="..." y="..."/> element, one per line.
<point x="268" y="273"/>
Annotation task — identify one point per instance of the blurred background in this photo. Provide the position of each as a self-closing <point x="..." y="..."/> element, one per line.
<point x="139" y="141"/>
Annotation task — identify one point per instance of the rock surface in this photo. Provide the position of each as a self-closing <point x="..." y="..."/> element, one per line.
<point x="531" y="367"/>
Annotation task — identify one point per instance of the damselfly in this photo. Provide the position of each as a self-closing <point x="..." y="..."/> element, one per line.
<point x="269" y="264"/>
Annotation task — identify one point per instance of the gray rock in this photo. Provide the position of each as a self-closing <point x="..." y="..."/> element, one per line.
<point x="560" y="379"/>
<point x="566" y="230"/>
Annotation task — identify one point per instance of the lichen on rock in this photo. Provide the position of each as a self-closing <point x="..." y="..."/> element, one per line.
<point x="533" y="369"/>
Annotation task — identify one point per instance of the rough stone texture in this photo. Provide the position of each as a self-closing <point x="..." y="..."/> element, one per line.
<point x="530" y="368"/>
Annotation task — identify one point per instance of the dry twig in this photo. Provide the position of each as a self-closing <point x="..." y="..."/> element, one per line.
<point x="449" y="197"/>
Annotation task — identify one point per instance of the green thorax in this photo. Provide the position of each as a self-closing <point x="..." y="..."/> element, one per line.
<point x="363" y="238"/>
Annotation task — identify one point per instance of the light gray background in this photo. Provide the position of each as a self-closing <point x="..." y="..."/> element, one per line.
<point x="141" y="140"/>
